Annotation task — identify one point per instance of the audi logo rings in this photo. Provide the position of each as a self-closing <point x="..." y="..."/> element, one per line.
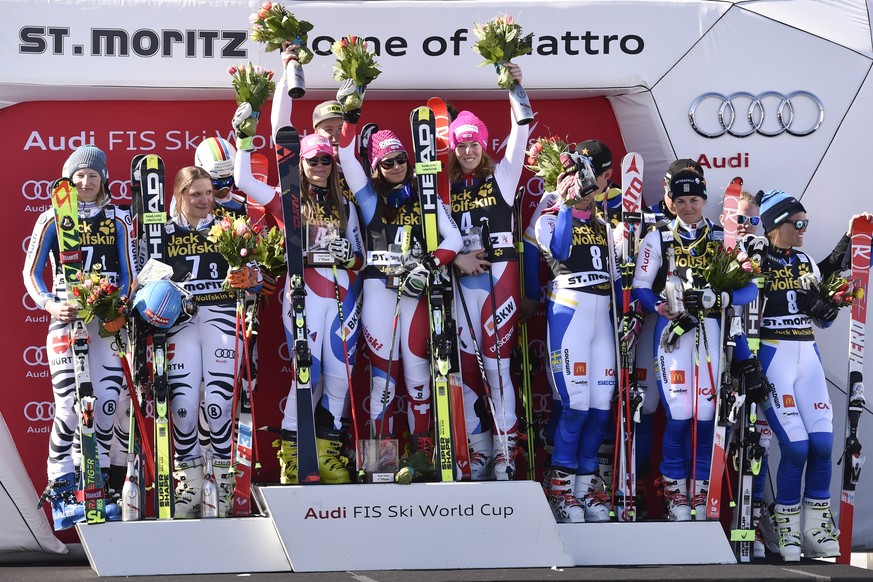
<point x="35" y="411"/>
<point x="789" y="109"/>
<point x="35" y="356"/>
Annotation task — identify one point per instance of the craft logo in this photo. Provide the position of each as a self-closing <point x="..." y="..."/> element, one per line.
<point x="580" y="368"/>
<point x="788" y="401"/>
<point x="677" y="376"/>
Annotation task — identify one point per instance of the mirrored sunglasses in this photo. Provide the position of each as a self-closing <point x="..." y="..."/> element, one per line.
<point x="324" y="160"/>
<point x="753" y="220"/>
<point x="799" y="224"/>
<point x="222" y="183"/>
<point x="399" y="160"/>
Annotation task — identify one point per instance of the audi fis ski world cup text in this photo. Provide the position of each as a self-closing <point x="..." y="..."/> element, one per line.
<point x="410" y="511"/>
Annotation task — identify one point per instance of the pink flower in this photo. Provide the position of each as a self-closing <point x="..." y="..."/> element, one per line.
<point x="262" y="14"/>
<point x="243" y="252"/>
<point x="231" y="70"/>
<point x="226" y="223"/>
<point x="87" y="284"/>
<point x="241" y="228"/>
<point x="267" y="6"/>
<point x="747" y="266"/>
<point x="509" y="19"/>
<point x="838" y="297"/>
<point x="253" y="17"/>
<point x="742" y="257"/>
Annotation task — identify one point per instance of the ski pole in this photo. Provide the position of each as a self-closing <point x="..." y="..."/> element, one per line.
<point x="342" y="323"/>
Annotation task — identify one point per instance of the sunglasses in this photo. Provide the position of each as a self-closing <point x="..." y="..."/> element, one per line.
<point x="399" y="160"/>
<point x="325" y="161"/>
<point x="799" y="224"/>
<point x="222" y="183"/>
<point x="753" y="220"/>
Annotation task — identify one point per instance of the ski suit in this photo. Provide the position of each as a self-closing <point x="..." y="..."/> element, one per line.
<point x="580" y="334"/>
<point x="388" y="226"/>
<point x="105" y="238"/>
<point x="687" y="374"/>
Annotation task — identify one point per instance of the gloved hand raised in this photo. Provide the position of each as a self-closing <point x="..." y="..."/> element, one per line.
<point x="245" y="125"/>
<point x="351" y="97"/>
<point x="341" y="250"/>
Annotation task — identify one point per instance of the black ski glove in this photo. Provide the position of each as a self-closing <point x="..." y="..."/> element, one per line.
<point x="756" y="383"/>
<point x="351" y="97"/>
<point x="756" y="247"/>
<point x="815" y="306"/>
<point x="676" y="329"/>
<point x="698" y="300"/>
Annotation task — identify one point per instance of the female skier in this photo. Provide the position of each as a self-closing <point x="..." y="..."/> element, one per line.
<point x="105" y="238"/>
<point x="204" y="345"/>
<point x="482" y="202"/>
<point x="394" y="314"/>
<point x="334" y="256"/>
<point x="669" y="280"/>
<point x="580" y="343"/>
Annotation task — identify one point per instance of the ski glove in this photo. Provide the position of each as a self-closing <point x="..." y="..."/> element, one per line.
<point x="351" y="97"/>
<point x="698" y="300"/>
<point x="756" y="247"/>
<point x="246" y="277"/>
<point x="815" y="306"/>
<point x="268" y="284"/>
<point x="632" y="325"/>
<point x="417" y="278"/>
<point x="756" y="383"/>
<point x="676" y="329"/>
<point x="245" y="124"/>
<point x="341" y="250"/>
<point x="114" y="325"/>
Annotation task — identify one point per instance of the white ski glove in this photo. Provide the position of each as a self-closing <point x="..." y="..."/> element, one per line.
<point x="245" y="125"/>
<point x="416" y="281"/>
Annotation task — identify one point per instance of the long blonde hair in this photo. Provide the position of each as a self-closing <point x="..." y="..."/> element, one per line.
<point x="184" y="179"/>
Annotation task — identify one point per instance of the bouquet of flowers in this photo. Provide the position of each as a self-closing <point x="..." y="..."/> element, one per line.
<point x="253" y="85"/>
<point x="841" y="291"/>
<point x="501" y="40"/>
<point x="730" y="269"/>
<point x="273" y="25"/>
<point x="236" y="239"/>
<point x="97" y="297"/>
<point x="355" y="62"/>
<point x="544" y="158"/>
<point x="270" y="252"/>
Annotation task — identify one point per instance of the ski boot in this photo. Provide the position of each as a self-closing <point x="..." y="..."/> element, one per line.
<point x="604" y="465"/>
<point x="788" y="526"/>
<point x="287" y="455"/>
<point x="189" y="483"/>
<point x="699" y="499"/>
<point x="225" y="480"/>
<point x="564" y="504"/>
<point x="759" y="550"/>
<point x="593" y="498"/>
<point x="676" y="498"/>
<point x="111" y="495"/>
<point x="61" y="493"/>
<point x="481" y="456"/>
<point x="333" y="467"/>
<point x="504" y="468"/>
<point x="819" y="539"/>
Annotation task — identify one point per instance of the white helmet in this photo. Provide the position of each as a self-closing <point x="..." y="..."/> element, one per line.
<point x="216" y="156"/>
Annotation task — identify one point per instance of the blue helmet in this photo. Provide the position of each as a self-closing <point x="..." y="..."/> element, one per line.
<point x="159" y="303"/>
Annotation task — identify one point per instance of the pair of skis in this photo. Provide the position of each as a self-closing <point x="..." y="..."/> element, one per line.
<point x="629" y="398"/>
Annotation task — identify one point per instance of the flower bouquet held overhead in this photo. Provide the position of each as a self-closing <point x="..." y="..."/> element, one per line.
<point x="500" y="41"/>
<point x="544" y="159"/>
<point x="253" y="85"/>
<point x="355" y="68"/>
<point x="274" y="25"/>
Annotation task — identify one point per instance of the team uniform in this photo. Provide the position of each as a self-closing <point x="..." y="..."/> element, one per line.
<point x="201" y="349"/>
<point x="472" y="201"/>
<point x="105" y="238"/>
<point x="581" y="348"/>
<point x="683" y="369"/>
<point x="391" y="225"/>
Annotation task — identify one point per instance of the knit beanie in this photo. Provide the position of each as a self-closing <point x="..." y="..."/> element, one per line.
<point x="382" y="143"/>
<point x="687" y="183"/>
<point x="468" y="127"/>
<point x="90" y="157"/>
<point x="776" y="206"/>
